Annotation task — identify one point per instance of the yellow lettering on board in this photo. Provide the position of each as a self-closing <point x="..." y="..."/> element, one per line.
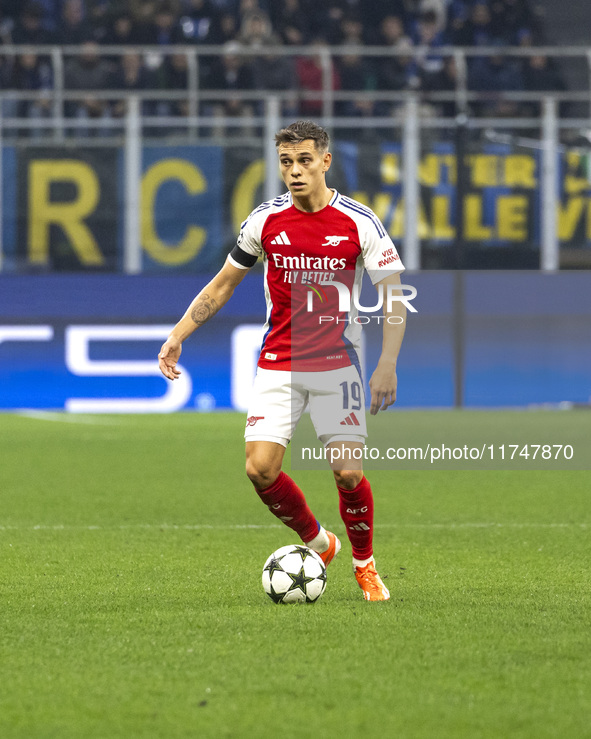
<point x="449" y="161"/>
<point x="512" y="217"/>
<point x="440" y="217"/>
<point x="395" y="222"/>
<point x="569" y="217"/>
<point x="520" y="171"/>
<point x="393" y="216"/>
<point x="430" y="170"/>
<point x="194" y="238"/>
<point x="474" y="229"/>
<point x="424" y="227"/>
<point x="390" y="168"/>
<point x="573" y="182"/>
<point x="244" y="194"/>
<point x="362" y="197"/>
<point x="69" y="216"/>
<point x="483" y="170"/>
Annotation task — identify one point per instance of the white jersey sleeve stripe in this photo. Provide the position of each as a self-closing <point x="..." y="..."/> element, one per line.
<point x="378" y="252"/>
<point x="373" y="219"/>
<point x="357" y="204"/>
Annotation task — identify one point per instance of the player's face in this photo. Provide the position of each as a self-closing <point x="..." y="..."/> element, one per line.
<point x="303" y="168"/>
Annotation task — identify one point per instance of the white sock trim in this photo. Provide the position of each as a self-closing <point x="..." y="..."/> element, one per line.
<point x="362" y="562"/>
<point x="320" y="542"/>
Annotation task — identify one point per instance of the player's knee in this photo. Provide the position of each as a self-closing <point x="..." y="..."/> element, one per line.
<point x="348" y="479"/>
<point x="261" y="473"/>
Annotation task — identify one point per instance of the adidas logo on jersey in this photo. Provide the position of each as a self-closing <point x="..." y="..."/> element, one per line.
<point x="281" y="239"/>
<point x="351" y="420"/>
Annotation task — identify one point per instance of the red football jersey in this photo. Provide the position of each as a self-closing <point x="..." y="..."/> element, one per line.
<point x="308" y="258"/>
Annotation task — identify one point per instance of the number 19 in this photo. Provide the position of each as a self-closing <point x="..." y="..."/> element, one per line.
<point x="355" y="395"/>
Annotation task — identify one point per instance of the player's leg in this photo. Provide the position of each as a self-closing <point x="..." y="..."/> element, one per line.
<point x="282" y="495"/>
<point x="277" y="490"/>
<point x="338" y="413"/>
<point x="337" y="408"/>
<point x="355" y="496"/>
<point x="356" y="509"/>
<point x="263" y="462"/>
<point x="275" y="409"/>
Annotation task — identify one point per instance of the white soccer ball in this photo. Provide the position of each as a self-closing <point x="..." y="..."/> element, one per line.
<point x="294" y="574"/>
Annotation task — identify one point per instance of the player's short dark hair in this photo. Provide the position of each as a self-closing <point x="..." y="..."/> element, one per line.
<point x="302" y="131"/>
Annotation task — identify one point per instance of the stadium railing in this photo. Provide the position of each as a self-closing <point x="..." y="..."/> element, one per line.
<point x="413" y="114"/>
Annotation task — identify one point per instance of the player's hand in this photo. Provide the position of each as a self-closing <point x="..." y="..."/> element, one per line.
<point x="168" y="357"/>
<point x="383" y="388"/>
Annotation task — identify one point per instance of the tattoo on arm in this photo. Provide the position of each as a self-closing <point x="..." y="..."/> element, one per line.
<point x="205" y="308"/>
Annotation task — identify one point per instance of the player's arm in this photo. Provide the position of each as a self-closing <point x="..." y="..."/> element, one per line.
<point x="205" y="305"/>
<point x="383" y="381"/>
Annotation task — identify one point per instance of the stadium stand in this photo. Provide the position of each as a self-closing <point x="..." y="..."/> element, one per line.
<point x="255" y="24"/>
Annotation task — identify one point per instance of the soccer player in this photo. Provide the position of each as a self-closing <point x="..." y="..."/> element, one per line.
<point x="308" y="238"/>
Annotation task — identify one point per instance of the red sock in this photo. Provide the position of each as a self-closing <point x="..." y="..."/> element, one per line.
<point x="356" y="508"/>
<point x="286" y="501"/>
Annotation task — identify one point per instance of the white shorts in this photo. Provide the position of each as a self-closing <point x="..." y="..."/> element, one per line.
<point x="336" y="400"/>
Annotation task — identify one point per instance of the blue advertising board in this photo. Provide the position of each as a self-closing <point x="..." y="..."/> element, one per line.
<point x="88" y="343"/>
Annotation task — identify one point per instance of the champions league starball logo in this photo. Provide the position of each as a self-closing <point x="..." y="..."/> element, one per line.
<point x="351" y="299"/>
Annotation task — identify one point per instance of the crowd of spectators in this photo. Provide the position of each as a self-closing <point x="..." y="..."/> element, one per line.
<point x="255" y="26"/>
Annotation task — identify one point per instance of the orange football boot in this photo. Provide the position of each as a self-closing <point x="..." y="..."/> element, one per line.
<point x="371" y="583"/>
<point x="334" y="547"/>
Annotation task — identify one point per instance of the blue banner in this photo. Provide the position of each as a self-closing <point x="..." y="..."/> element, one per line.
<point x="182" y="211"/>
<point x="64" y="209"/>
<point x="88" y="343"/>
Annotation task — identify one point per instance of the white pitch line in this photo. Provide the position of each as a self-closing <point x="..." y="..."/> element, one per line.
<point x="64" y="417"/>
<point x="237" y="527"/>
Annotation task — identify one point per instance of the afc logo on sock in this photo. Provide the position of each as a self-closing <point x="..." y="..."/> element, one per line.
<point x="357" y="511"/>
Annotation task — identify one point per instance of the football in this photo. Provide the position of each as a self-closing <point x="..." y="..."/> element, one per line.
<point x="294" y="574"/>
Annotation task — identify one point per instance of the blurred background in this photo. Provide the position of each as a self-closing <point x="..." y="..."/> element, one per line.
<point x="136" y="136"/>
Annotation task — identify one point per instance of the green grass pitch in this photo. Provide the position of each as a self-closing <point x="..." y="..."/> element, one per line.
<point x="131" y="602"/>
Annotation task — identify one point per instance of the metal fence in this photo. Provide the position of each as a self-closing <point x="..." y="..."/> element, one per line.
<point x="57" y="94"/>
